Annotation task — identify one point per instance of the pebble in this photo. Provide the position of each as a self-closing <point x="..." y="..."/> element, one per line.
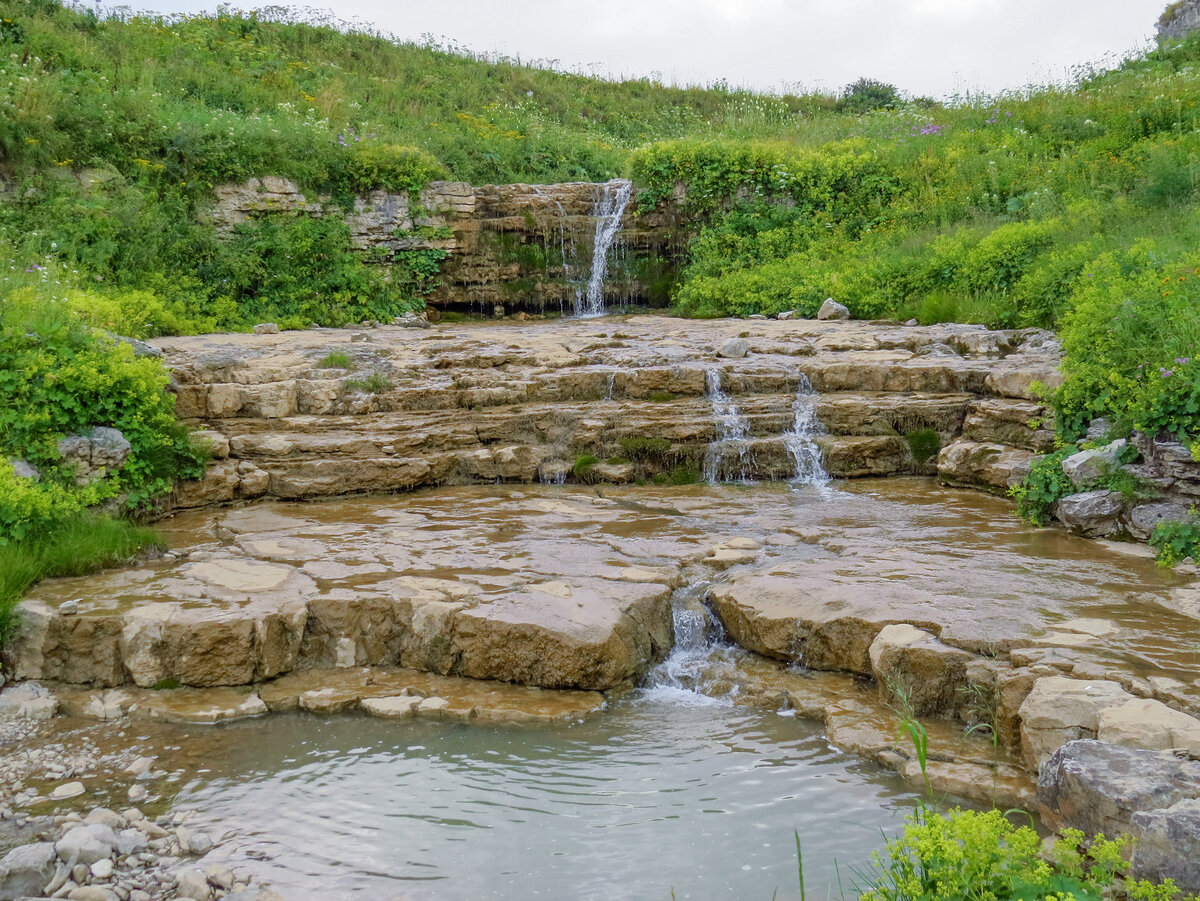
<point x="138" y="793"/>
<point x="67" y="790"/>
<point x="102" y="869"/>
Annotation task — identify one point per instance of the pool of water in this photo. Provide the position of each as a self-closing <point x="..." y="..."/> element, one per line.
<point x="652" y="797"/>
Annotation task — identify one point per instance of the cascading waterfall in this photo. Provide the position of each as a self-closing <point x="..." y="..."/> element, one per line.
<point x="681" y="677"/>
<point x="800" y="438"/>
<point x="610" y="209"/>
<point x="731" y="432"/>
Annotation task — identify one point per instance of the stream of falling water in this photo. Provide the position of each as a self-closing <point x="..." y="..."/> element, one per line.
<point x="680" y="679"/>
<point x="732" y="431"/>
<point x="800" y="439"/>
<point x="610" y="209"/>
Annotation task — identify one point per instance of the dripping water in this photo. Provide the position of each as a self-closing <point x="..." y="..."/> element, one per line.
<point x="681" y="678"/>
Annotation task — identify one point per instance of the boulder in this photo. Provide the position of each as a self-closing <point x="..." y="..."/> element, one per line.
<point x="734" y="348"/>
<point x="1087" y="467"/>
<point x="24" y="470"/>
<point x="932" y="675"/>
<point x="1152" y="795"/>
<point x="983" y="465"/>
<point x="1094" y="514"/>
<point x="1059" y="710"/>
<point x="29" y="700"/>
<point x="1168" y="845"/>
<point x="831" y="309"/>
<point x="87" y="844"/>
<point x="266" y="328"/>
<point x="94" y="455"/>
<point x="1141" y="521"/>
<point x="26" y="869"/>
<point x="1098" y="430"/>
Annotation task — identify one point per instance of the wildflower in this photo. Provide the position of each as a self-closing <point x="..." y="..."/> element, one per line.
<point x="1183" y="361"/>
<point x="1166" y="373"/>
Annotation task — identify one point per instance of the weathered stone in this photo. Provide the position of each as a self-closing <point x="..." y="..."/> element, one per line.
<point x="1059" y="710"/>
<point x="24" y="470"/>
<point x="1149" y="724"/>
<point x="734" y="348"/>
<point x="86" y="844"/>
<point x="1142" y="519"/>
<point x="26" y="869"/>
<point x="397" y="707"/>
<point x="192" y="884"/>
<point x="1098" y="430"/>
<point x="1094" y="514"/>
<point x="992" y="466"/>
<point x="94" y="455"/>
<point x="930" y="675"/>
<point x="1098" y="787"/>
<point x="1168" y="845"/>
<point x="29" y="700"/>
<point x="1087" y="467"/>
<point x="266" y="328"/>
<point x="831" y="309"/>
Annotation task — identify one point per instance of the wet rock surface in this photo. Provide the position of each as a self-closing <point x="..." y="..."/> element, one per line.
<point x="479" y="402"/>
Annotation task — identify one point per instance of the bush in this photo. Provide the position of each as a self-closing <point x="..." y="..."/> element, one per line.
<point x="1176" y="540"/>
<point x="1045" y="485"/>
<point x="969" y="856"/>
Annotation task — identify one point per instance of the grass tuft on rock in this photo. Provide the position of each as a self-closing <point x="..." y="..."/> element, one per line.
<point x="82" y="544"/>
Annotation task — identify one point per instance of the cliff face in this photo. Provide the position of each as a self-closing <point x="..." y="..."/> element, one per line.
<point x="512" y="247"/>
<point x="1179" y="19"/>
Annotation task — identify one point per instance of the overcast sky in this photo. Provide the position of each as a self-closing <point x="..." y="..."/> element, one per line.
<point x="933" y="47"/>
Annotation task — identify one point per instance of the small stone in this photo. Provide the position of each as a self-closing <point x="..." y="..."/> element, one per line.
<point x="138" y="793"/>
<point x="139" y="766"/>
<point x="1098" y="429"/>
<point x="92" y="893"/>
<point x="24" y="470"/>
<point x="1088" y="467"/>
<point x="102" y="869"/>
<point x="80" y="872"/>
<point x="734" y="348"/>
<point x="266" y="328"/>
<point x="786" y="315"/>
<point x="67" y="790"/>
<point x="109" y="818"/>
<point x="432" y="705"/>
<point x="220" y="876"/>
<point x="69" y="608"/>
<point x="758" y="316"/>
<point x="911" y="322"/>
<point x="396" y="707"/>
<point x="831" y="309"/>
<point x="138" y="895"/>
<point x="192" y="884"/>
<point x="193" y="842"/>
<point x="86" y="844"/>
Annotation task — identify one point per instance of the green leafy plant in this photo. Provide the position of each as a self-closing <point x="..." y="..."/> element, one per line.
<point x="1176" y="540"/>
<point x="338" y="359"/>
<point x="1045" y="485"/>
<point x="924" y="444"/>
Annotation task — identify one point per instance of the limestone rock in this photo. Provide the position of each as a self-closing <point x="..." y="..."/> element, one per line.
<point x="1098" y="430"/>
<point x="1149" y="724"/>
<point x="1059" y="710"/>
<point x="397" y="707"/>
<point x="831" y="309"/>
<point x="94" y="455"/>
<point x="26" y="869"/>
<point x="972" y="463"/>
<point x="87" y="844"/>
<point x="266" y="328"/>
<point x="1087" y="467"/>
<point x="1144" y="518"/>
<point x="24" y="470"/>
<point x="28" y="699"/>
<point x="1168" y="845"/>
<point x="193" y="885"/>
<point x="1094" y="514"/>
<point x="912" y="660"/>
<point x="734" y="348"/>
<point x="1098" y="787"/>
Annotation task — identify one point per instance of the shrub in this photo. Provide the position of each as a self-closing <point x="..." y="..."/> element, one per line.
<point x="1176" y="540"/>
<point x="1045" y="485"/>
<point x="924" y="444"/>
<point x="970" y="856"/>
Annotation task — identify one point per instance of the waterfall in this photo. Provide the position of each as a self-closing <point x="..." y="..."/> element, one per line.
<point x="609" y="210"/>
<point x="731" y="431"/>
<point x="681" y="677"/>
<point x="800" y="438"/>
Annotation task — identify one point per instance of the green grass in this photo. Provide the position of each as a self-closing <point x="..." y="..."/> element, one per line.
<point x="375" y="383"/>
<point x="82" y="544"/>
<point x="336" y="360"/>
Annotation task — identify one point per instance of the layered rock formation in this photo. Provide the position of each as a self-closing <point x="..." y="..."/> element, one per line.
<point x="454" y="405"/>
<point x="512" y="247"/>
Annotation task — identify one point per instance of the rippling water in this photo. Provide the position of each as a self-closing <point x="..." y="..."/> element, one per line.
<point x="648" y="798"/>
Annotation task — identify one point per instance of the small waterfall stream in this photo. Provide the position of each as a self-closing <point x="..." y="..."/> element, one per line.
<point x="732" y="431"/>
<point x="800" y="438"/>
<point x="609" y="211"/>
<point x="680" y="678"/>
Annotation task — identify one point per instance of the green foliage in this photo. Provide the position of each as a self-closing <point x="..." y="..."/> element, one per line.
<point x="1144" y="890"/>
<point x="970" y="856"/>
<point x="74" y="544"/>
<point x="375" y="383"/>
<point x="867" y="94"/>
<point x="924" y="444"/>
<point x="583" y="466"/>
<point x="338" y="359"/>
<point x="1176" y="540"/>
<point x="58" y="378"/>
<point x="684" y="474"/>
<point x="1045" y="485"/>
<point x="646" y="449"/>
